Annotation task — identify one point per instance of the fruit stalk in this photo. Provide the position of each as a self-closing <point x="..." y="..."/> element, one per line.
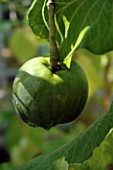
<point x="52" y="38"/>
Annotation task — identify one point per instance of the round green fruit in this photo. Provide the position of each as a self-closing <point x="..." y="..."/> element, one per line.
<point x="43" y="98"/>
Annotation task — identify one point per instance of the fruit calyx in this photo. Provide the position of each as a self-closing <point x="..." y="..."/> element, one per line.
<point x="60" y="66"/>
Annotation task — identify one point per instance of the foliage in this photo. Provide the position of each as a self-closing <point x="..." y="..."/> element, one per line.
<point x="23" y="46"/>
<point x="79" y="149"/>
<point x="73" y="20"/>
<point x="102" y="156"/>
<point x="94" y="20"/>
<point x="80" y="24"/>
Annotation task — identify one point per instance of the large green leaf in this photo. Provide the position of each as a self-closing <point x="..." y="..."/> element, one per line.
<point x="88" y="20"/>
<point x="77" y="150"/>
<point x="101" y="158"/>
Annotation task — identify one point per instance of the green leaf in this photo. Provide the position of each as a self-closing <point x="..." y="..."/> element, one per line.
<point x="6" y="166"/>
<point x="36" y="18"/>
<point x="23" y="45"/>
<point x="3" y="0"/>
<point x="101" y="158"/>
<point x="77" y="150"/>
<point x="87" y="61"/>
<point x="59" y="164"/>
<point x="83" y="23"/>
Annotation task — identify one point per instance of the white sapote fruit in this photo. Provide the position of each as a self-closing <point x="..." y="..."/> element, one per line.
<point x="43" y="98"/>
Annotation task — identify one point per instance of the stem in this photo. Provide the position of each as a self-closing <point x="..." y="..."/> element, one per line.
<point x="52" y="32"/>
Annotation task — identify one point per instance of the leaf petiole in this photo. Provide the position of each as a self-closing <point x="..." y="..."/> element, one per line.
<point x="54" y="55"/>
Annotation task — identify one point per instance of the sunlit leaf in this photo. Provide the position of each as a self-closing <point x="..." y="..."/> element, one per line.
<point x="101" y="158"/>
<point x="87" y="61"/>
<point x="23" y="44"/>
<point x="59" y="164"/>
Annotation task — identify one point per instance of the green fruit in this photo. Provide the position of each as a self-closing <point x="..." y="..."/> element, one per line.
<point x="43" y="98"/>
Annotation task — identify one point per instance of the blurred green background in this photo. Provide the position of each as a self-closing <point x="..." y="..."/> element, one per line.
<point x="18" y="141"/>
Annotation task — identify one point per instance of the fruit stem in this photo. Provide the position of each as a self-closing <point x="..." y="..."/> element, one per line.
<point x="52" y="32"/>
